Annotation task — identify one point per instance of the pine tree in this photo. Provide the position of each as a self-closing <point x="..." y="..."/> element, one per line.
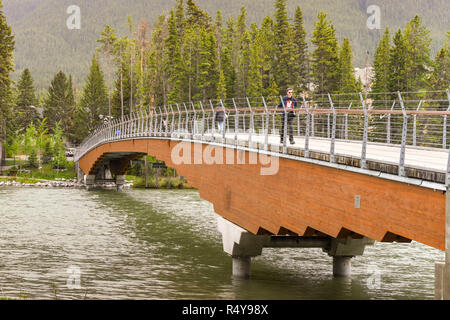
<point x="174" y="62"/>
<point x="418" y="61"/>
<point x="284" y="49"/>
<point x="196" y="16"/>
<point x="397" y="64"/>
<point x="180" y="19"/>
<point x="94" y="100"/>
<point x="108" y="40"/>
<point x="255" y="85"/>
<point x="7" y="65"/>
<point x="301" y="55"/>
<point x="440" y="77"/>
<point x="59" y="105"/>
<point x="347" y="81"/>
<point x="325" y="56"/>
<point x="268" y="50"/>
<point x="26" y="104"/>
<point x="243" y="50"/>
<point x="229" y="73"/>
<point x="381" y="64"/>
<point x="208" y="68"/>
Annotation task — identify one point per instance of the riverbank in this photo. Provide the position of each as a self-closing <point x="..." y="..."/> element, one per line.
<point x="130" y="182"/>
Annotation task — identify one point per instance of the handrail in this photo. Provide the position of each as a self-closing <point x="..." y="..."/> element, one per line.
<point x="353" y="119"/>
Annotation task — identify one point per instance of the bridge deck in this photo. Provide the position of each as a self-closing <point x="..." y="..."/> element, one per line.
<point x="422" y="159"/>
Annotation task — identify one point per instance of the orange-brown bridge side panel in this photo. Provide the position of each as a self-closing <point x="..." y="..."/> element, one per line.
<point x="302" y="197"/>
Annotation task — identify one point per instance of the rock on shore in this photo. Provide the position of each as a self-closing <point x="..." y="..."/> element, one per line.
<point x="58" y="183"/>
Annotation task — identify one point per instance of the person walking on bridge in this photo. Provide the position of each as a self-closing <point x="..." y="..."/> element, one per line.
<point x="290" y="103"/>
<point x="220" y="118"/>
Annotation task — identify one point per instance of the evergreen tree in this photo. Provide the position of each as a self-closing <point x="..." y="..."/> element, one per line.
<point x="174" y="62"/>
<point x="268" y="50"/>
<point x="243" y="50"/>
<point x="325" y="56"/>
<point x="284" y="50"/>
<point x="208" y="68"/>
<point x="196" y="16"/>
<point x="94" y="100"/>
<point x="255" y="85"/>
<point x="418" y="61"/>
<point x="229" y="73"/>
<point x="26" y="104"/>
<point x="440" y="77"/>
<point x="180" y="19"/>
<point x="301" y="55"/>
<point x="347" y="81"/>
<point x="397" y="64"/>
<point x="7" y="65"/>
<point x="60" y="105"/>
<point x="108" y="40"/>
<point x="381" y="64"/>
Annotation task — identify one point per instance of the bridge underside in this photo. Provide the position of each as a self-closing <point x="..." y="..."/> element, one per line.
<point x="300" y="199"/>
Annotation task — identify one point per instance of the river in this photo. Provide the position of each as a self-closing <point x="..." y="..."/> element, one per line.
<point x="164" y="244"/>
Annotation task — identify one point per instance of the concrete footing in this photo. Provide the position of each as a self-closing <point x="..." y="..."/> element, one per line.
<point x="342" y="266"/>
<point x="120" y="181"/>
<point x="89" y="181"/>
<point x="241" y="266"/>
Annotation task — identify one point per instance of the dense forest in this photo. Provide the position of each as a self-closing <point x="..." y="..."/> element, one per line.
<point x="44" y="45"/>
<point x="189" y="54"/>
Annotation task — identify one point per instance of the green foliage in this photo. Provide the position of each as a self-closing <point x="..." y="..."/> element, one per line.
<point x="347" y="82"/>
<point x="60" y="104"/>
<point x="325" y="56"/>
<point x="26" y="102"/>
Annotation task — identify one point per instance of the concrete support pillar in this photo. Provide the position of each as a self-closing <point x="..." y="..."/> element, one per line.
<point x="241" y="245"/>
<point x="120" y="181"/>
<point x="342" y="266"/>
<point x="343" y="250"/>
<point x="89" y="181"/>
<point x="241" y="266"/>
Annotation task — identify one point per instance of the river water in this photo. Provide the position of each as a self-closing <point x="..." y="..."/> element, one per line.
<point x="164" y="244"/>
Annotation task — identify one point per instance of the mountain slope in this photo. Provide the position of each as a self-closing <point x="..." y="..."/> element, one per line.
<point x="45" y="45"/>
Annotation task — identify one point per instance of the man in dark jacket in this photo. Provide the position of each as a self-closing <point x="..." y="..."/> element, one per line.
<point x="290" y="103"/>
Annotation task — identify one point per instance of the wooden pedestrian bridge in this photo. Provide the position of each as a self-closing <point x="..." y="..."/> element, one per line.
<point x="363" y="168"/>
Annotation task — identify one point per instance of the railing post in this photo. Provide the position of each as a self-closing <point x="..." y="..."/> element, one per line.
<point x="333" y="130"/>
<point x="365" y="134"/>
<point x="401" y="164"/>
<point x="266" y="129"/>
<point x="236" y="122"/>
<point x="179" y="120"/>
<point x="225" y="121"/>
<point x="312" y="124"/>
<point x="251" y="123"/>
<point x="388" y="131"/>
<point x="172" y="124"/>
<point x="203" y="120"/>
<point x="415" y="125"/>
<point x="285" y="117"/>
<point x="308" y="120"/>
<point x="444" y="129"/>
<point x="160" y="122"/>
<point x="187" y="118"/>
<point x="346" y="122"/>
<point x="194" y="121"/>
<point x="166" y="124"/>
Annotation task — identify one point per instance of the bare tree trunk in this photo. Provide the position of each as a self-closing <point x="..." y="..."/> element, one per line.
<point x="121" y="92"/>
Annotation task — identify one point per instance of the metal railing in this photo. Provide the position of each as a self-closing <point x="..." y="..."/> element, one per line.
<point x="408" y="119"/>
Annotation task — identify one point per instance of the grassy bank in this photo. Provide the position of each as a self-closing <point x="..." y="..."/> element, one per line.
<point x="47" y="172"/>
<point x="164" y="182"/>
